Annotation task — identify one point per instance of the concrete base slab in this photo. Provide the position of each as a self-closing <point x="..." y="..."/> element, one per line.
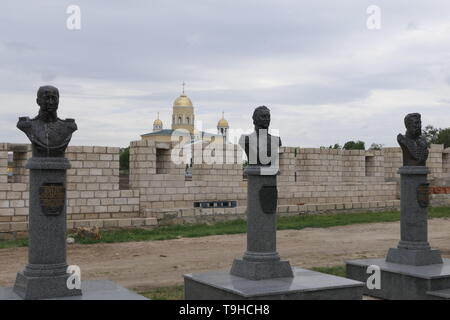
<point x="402" y="282"/>
<point x="31" y="288"/>
<point x="261" y="270"/>
<point x="305" y="285"/>
<point x="440" y="294"/>
<point x="414" y="257"/>
<point x="92" y="290"/>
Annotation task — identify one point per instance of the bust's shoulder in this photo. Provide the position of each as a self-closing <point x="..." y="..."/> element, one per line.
<point x="69" y="123"/>
<point x="275" y="137"/>
<point x="24" y="123"/>
<point x="401" y="139"/>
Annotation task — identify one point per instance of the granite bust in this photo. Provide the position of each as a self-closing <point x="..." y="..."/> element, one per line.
<point x="260" y="146"/>
<point x="48" y="134"/>
<point x="414" y="145"/>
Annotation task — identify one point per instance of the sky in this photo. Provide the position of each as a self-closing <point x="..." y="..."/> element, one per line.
<point x="325" y="75"/>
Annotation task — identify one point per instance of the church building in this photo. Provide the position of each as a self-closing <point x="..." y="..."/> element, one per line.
<point x="183" y="117"/>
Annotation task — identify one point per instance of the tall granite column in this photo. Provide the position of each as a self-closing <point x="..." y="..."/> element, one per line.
<point x="45" y="275"/>
<point x="261" y="260"/>
<point x="413" y="248"/>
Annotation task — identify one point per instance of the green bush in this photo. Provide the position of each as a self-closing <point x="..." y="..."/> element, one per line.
<point x="355" y="145"/>
<point x="125" y="159"/>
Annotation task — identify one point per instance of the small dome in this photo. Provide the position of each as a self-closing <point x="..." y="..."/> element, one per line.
<point x="183" y="101"/>
<point x="222" y="123"/>
<point x="157" y="122"/>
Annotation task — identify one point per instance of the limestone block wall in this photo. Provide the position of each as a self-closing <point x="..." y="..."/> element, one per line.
<point x="434" y="161"/>
<point x="354" y="168"/>
<point x="308" y="176"/>
<point x="312" y="180"/>
<point x="169" y="188"/>
<point x="93" y="185"/>
<point x="335" y="193"/>
<point x="93" y="195"/>
<point x="446" y="163"/>
<point x="3" y="163"/>
<point x="21" y="153"/>
<point x="332" y="165"/>
<point x="318" y="165"/>
<point x="330" y="176"/>
<point x="392" y="162"/>
<point x="13" y="195"/>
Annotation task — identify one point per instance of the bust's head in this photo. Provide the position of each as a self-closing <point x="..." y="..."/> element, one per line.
<point x="261" y="118"/>
<point x="48" y="99"/>
<point x="413" y="124"/>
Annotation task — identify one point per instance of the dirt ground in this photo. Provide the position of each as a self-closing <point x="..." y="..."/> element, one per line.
<point x="144" y="265"/>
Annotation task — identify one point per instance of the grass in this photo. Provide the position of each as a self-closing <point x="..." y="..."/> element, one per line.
<point x="177" y="292"/>
<point x="13" y="243"/>
<point x="239" y="226"/>
<point x="165" y="293"/>
<point x="336" y="271"/>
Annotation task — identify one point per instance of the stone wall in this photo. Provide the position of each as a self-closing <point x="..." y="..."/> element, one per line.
<point x="169" y="188"/>
<point x="446" y="163"/>
<point x="93" y="195"/>
<point x="318" y="176"/>
<point x="311" y="180"/>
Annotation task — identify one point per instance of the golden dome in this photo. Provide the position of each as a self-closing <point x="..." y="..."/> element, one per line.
<point x="183" y="101"/>
<point x="157" y="122"/>
<point x="222" y="122"/>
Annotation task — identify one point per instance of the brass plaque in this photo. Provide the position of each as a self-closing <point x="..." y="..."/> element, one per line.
<point x="268" y="196"/>
<point x="423" y="195"/>
<point x="52" y="197"/>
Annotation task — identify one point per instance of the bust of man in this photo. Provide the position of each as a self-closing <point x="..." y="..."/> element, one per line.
<point x="413" y="144"/>
<point x="48" y="134"/>
<point x="260" y="147"/>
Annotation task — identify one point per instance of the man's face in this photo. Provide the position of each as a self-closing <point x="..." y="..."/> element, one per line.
<point x="262" y="120"/>
<point x="415" y="126"/>
<point x="49" y="101"/>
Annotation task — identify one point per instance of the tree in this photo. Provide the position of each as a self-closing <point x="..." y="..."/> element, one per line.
<point x="443" y="137"/>
<point x="124" y="159"/>
<point x="431" y="134"/>
<point x="354" y="145"/>
<point x="437" y="135"/>
<point x="376" y="146"/>
<point x="336" y="146"/>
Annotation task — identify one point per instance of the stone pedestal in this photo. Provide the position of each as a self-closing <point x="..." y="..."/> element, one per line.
<point x="261" y="260"/>
<point x="45" y="275"/>
<point x="412" y="270"/>
<point x="260" y="274"/>
<point x="92" y="290"/>
<point x="404" y="282"/>
<point x="413" y="248"/>
<point x="304" y="285"/>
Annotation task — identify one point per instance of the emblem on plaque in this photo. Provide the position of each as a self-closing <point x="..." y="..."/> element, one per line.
<point x="52" y="197"/>
<point x="423" y="195"/>
<point x="268" y="196"/>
